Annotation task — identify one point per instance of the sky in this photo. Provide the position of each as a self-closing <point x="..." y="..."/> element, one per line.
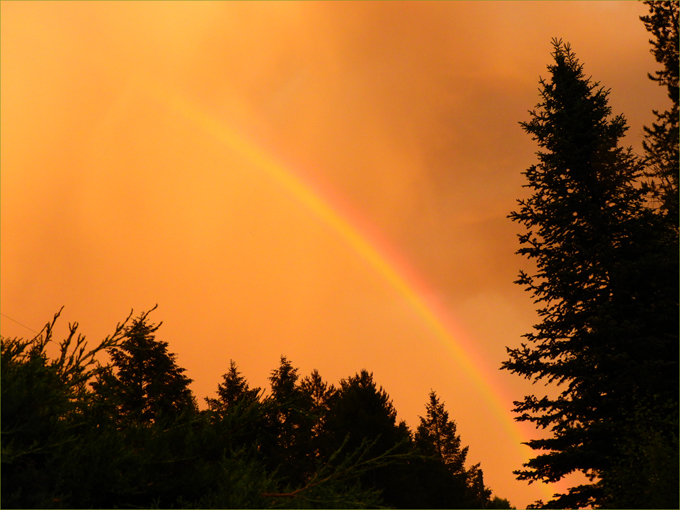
<point x="327" y="181"/>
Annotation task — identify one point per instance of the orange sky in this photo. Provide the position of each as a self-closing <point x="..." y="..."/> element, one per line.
<point x="145" y="152"/>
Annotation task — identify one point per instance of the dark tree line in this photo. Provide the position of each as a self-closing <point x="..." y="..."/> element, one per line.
<point x="79" y="433"/>
<point x="602" y="228"/>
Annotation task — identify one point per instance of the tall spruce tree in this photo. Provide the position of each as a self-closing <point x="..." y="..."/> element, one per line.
<point x="661" y="139"/>
<point x="436" y="435"/>
<point x="320" y="395"/>
<point x="291" y="424"/>
<point x="446" y="482"/>
<point x="233" y="389"/>
<point x="359" y="412"/>
<point x="606" y="335"/>
<point x="145" y="383"/>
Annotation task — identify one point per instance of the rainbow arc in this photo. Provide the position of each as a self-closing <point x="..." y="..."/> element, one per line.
<point x="377" y="253"/>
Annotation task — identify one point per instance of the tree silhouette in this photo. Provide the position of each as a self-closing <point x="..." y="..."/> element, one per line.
<point x="436" y="435"/>
<point x="361" y="411"/>
<point x="445" y="481"/>
<point x="232" y="390"/>
<point x="320" y="395"/>
<point x="64" y="445"/>
<point x="144" y="377"/>
<point x="661" y="139"/>
<point x="609" y="314"/>
<point x="52" y="442"/>
<point x="289" y="446"/>
<point x="319" y="391"/>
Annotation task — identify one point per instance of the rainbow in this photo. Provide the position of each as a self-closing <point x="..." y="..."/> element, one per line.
<point x="357" y="233"/>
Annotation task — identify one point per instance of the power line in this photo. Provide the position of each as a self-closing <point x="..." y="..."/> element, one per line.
<point x="19" y="323"/>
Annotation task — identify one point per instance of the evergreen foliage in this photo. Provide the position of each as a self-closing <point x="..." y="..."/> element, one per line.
<point x="48" y="447"/>
<point x="291" y="424"/>
<point x="232" y="390"/>
<point x="145" y="381"/>
<point x="358" y="411"/>
<point x="436" y="436"/>
<point x="443" y="478"/>
<point x="77" y="433"/>
<point x="606" y="281"/>
<point x="661" y="139"/>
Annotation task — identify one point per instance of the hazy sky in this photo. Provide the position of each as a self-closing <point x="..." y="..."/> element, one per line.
<point x="326" y="181"/>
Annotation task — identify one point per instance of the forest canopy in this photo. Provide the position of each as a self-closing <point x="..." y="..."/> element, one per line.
<point x="601" y="226"/>
<point x="128" y="433"/>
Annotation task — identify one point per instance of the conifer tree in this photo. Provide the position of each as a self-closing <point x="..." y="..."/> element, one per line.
<point x="51" y="442"/>
<point x="436" y="435"/>
<point x="320" y="394"/>
<point x="233" y="389"/>
<point x="661" y="139"/>
<point x="319" y="391"/>
<point x="292" y="401"/>
<point x="608" y="336"/>
<point x="361" y="411"/>
<point x="144" y="377"/>
<point x="290" y="424"/>
<point x="447" y="483"/>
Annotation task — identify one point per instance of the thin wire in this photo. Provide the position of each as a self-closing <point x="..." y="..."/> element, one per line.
<point x="19" y="323"/>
